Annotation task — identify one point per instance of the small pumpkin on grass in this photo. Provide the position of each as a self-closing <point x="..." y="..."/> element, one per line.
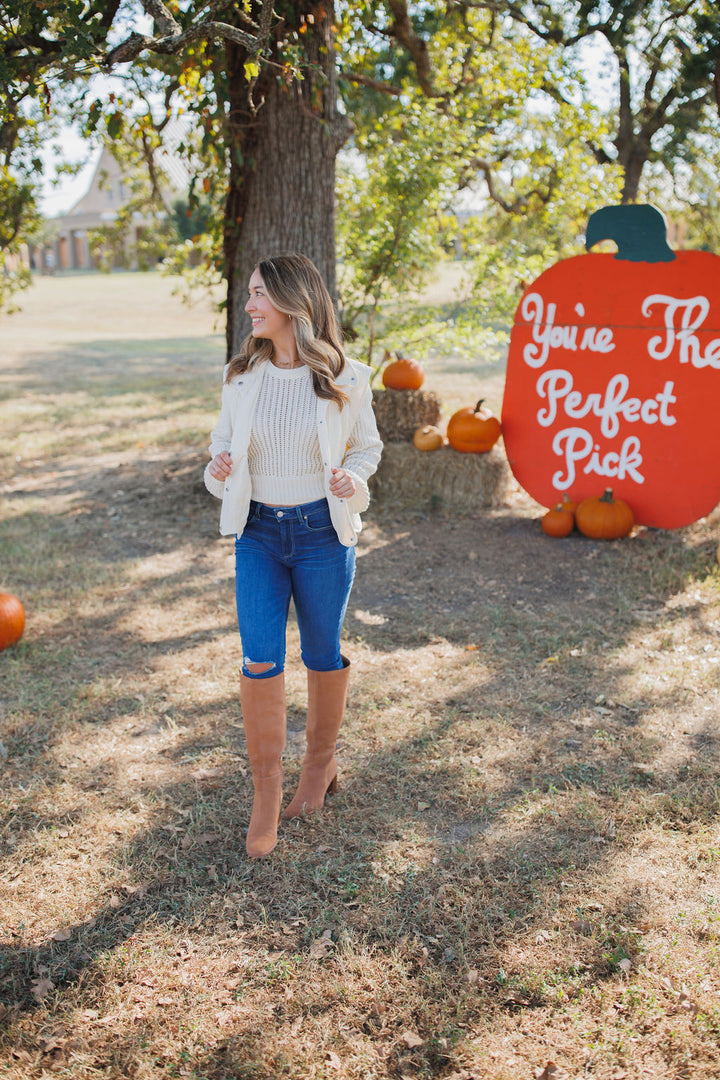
<point x="403" y="374"/>
<point x="604" y="518"/>
<point x="473" y="430"/>
<point x="12" y="620"/>
<point x="428" y="437"/>
<point x="560" y="519"/>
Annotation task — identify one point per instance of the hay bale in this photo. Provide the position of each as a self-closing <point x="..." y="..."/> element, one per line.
<point x="440" y="481"/>
<point x="399" y="413"/>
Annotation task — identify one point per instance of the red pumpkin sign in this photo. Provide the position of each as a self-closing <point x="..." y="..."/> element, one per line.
<point x="613" y="376"/>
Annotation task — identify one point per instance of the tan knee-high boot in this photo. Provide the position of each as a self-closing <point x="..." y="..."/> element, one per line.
<point x="327" y="692"/>
<point x="265" y="722"/>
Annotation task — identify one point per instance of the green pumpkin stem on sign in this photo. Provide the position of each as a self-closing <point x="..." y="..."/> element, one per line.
<point x="640" y="232"/>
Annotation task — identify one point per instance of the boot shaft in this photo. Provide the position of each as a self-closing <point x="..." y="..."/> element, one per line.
<point x="265" y="721"/>
<point x="327" y="696"/>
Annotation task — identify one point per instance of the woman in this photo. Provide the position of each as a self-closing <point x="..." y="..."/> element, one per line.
<point x="292" y="451"/>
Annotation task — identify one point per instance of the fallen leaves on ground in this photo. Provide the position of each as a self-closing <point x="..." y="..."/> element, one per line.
<point x="322" y="946"/>
<point x="412" y="1039"/>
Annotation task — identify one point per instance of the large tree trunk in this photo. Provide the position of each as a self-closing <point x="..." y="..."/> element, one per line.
<point x="632" y="172"/>
<point x="281" y="194"/>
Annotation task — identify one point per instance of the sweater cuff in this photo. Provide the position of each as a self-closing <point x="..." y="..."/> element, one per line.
<point x="360" y="501"/>
<point x="215" y="487"/>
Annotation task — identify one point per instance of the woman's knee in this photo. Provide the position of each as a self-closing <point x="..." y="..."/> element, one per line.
<point x="322" y="660"/>
<point x="260" y="669"/>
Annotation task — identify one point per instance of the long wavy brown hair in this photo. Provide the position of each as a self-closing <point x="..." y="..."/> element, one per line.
<point x="294" y="286"/>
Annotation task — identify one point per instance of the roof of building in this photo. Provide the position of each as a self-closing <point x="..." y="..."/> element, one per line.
<point x="108" y="190"/>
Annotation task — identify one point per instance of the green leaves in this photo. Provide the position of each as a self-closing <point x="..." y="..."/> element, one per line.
<point x="494" y="99"/>
<point x="115" y="123"/>
<point x="490" y="131"/>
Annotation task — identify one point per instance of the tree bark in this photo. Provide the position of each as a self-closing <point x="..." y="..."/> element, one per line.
<point x="633" y="164"/>
<point x="281" y="194"/>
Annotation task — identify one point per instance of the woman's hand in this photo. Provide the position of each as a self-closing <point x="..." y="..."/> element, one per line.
<point x="221" y="466"/>
<point x="342" y="484"/>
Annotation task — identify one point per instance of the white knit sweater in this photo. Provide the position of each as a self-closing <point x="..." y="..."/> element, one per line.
<point x="348" y="437"/>
<point x="284" y="456"/>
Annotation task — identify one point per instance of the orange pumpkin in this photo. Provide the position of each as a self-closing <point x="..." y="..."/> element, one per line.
<point x="604" y="518"/>
<point x="403" y="374"/>
<point x="559" y="521"/>
<point x="12" y="620"/>
<point x="473" y="430"/>
<point x="428" y="438"/>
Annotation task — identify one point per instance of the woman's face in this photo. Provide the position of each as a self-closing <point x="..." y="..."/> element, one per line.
<point x="267" y="321"/>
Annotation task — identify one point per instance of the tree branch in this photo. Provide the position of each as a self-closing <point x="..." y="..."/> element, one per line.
<point x="521" y="202"/>
<point x="553" y="33"/>
<point x="403" y="32"/>
<point x="109" y="14"/>
<point x="148" y="152"/>
<point x="172" y="38"/>
<point x="625" y="114"/>
<point x="169" y="91"/>
<point x="599" y="153"/>
<point x="164" y="22"/>
<point x="372" y="84"/>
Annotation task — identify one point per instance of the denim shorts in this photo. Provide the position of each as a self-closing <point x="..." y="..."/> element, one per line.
<point x="293" y="552"/>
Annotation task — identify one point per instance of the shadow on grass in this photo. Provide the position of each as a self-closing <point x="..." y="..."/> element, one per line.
<point x="108" y="368"/>
<point x="416" y="861"/>
<point x="496" y="820"/>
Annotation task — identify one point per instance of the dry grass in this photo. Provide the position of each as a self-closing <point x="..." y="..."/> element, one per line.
<point x="520" y="875"/>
